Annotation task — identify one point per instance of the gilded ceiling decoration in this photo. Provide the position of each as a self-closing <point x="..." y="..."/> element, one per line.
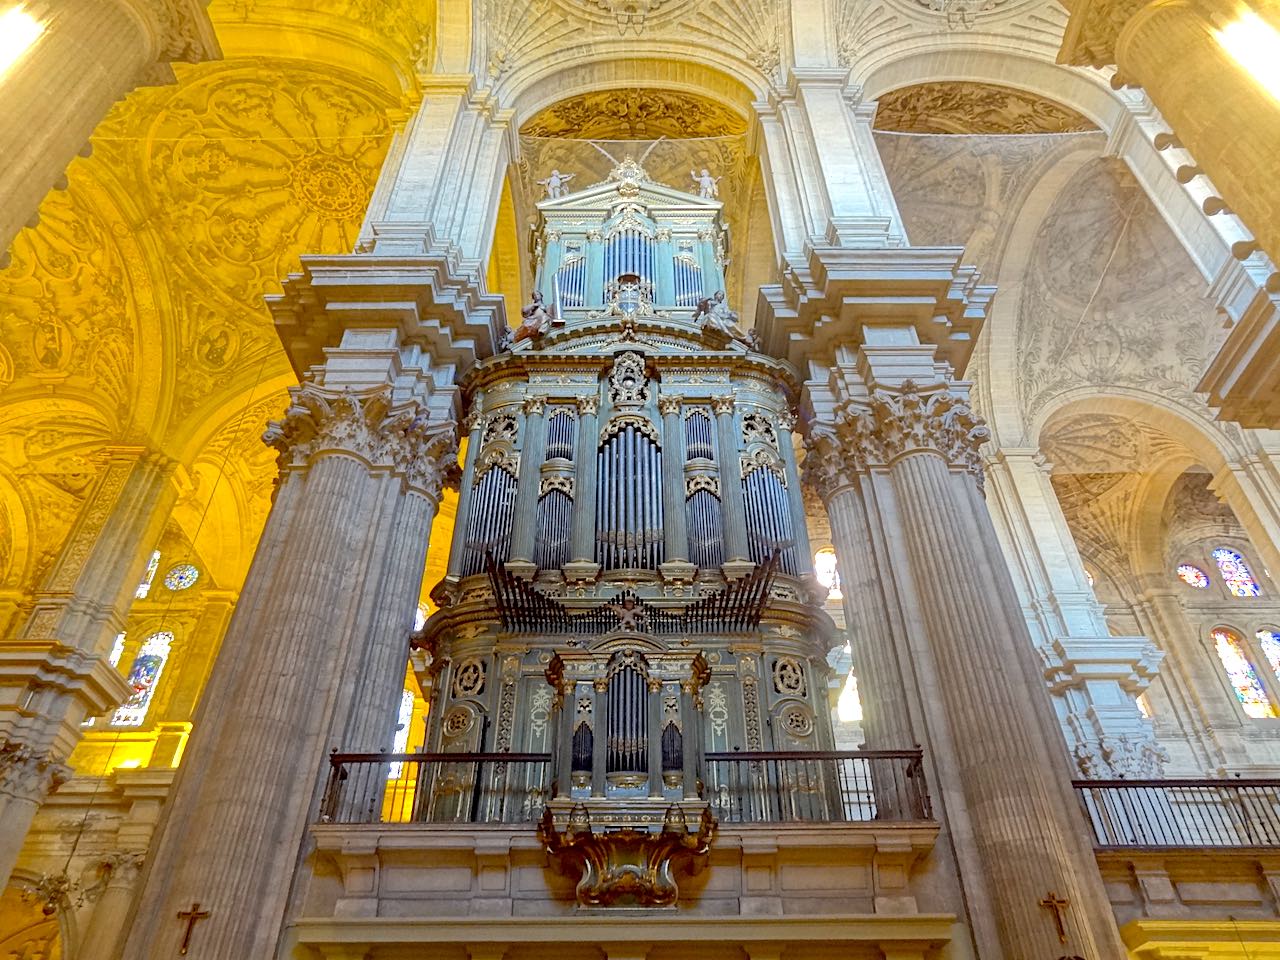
<point x="964" y="107"/>
<point x="631" y="114"/>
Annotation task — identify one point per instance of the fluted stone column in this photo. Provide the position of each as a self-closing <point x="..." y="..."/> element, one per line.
<point x="1026" y="828"/>
<point x="674" y="525"/>
<point x="532" y="453"/>
<point x="54" y="672"/>
<point x="103" y="936"/>
<point x="583" y="542"/>
<point x="89" y="55"/>
<point x="737" y="556"/>
<point x="314" y="657"/>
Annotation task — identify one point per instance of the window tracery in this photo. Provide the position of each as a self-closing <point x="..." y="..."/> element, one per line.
<point x="1236" y="573"/>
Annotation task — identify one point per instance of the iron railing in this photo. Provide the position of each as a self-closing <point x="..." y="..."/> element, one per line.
<point x="1181" y="813"/>
<point x="436" y="787"/>
<point x="822" y="786"/>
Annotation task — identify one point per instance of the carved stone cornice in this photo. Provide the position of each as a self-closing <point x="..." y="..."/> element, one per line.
<point x="28" y="775"/>
<point x="402" y="438"/>
<point x="888" y="426"/>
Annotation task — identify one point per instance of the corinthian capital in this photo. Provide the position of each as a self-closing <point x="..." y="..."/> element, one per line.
<point x="403" y="438"/>
<point x="890" y="424"/>
<point x="27" y="775"/>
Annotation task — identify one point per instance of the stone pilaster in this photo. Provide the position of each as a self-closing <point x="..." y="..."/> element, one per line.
<point x="54" y="672"/>
<point x="1026" y="830"/>
<point x="1094" y="677"/>
<point x="89" y="54"/>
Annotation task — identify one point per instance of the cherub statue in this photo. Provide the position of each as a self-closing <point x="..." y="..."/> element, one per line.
<point x="708" y="186"/>
<point x="630" y="616"/>
<point x="537" y="319"/>
<point x="714" y="312"/>
<point x="556" y="184"/>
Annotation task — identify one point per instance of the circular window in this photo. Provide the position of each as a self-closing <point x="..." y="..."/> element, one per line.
<point x="1193" y="576"/>
<point x="182" y="576"/>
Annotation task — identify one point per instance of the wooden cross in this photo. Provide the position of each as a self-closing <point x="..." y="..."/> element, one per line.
<point x="1058" y="905"/>
<point x="192" y="916"/>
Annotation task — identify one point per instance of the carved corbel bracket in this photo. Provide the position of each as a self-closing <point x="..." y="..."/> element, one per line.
<point x="627" y="866"/>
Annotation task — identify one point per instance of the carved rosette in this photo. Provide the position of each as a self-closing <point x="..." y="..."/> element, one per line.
<point x="27" y="775"/>
<point x="889" y="426"/>
<point x="368" y="426"/>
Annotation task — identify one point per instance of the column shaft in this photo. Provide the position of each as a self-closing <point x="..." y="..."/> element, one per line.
<point x="1026" y="828"/>
<point x="584" y="485"/>
<point x="734" y="509"/>
<point x="673" y="519"/>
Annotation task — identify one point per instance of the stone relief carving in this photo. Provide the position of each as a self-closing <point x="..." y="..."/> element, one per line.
<point x="28" y="775"/>
<point x="967" y="107"/>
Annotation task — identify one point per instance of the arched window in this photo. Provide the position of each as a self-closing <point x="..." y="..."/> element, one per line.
<point x="825" y="569"/>
<point x="404" y="720"/>
<point x="1235" y="572"/>
<point x="1192" y="576"/>
<point x="143" y="677"/>
<point x="1269" y="642"/>
<point x="1242" y="674"/>
<point x="149" y="577"/>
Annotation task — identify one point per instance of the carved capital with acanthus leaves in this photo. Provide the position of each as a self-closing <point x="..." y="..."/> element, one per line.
<point x="26" y="774"/>
<point x="892" y="424"/>
<point x="403" y="438"/>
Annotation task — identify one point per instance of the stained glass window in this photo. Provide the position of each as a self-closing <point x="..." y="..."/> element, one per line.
<point x="147" y="578"/>
<point x="182" y="576"/>
<point x="143" y="677"/>
<point x="401" y="742"/>
<point x="1269" y="641"/>
<point x="824" y="568"/>
<point x="1236" y="573"/>
<point x="1192" y="576"/>
<point x="1243" y="676"/>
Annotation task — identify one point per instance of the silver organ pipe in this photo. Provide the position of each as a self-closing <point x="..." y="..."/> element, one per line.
<point x="560" y="436"/>
<point x="627" y="723"/>
<point x="688" y="281"/>
<point x="571" y="279"/>
<point x="698" y="437"/>
<point x="555" y="516"/>
<point x="769" y="518"/>
<point x="628" y="502"/>
<point x="629" y="251"/>
<point x="706" y="529"/>
<point x="489" y="521"/>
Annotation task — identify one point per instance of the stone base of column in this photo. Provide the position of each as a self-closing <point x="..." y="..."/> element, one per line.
<point x="737" y="569"/>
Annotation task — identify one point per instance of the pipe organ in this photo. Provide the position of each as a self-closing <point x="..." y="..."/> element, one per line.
<point x="630" y="585"/>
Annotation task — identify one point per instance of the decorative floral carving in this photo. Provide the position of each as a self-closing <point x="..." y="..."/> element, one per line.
<point x="762" y="459"/>
<point x="788" y="677"/>
<point x="27" y="775"/>
<point x="1123" y="757"/>
<point x="628" y="382"/>
<point x="403" y="437"/>
<point x="965" y="107"/>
